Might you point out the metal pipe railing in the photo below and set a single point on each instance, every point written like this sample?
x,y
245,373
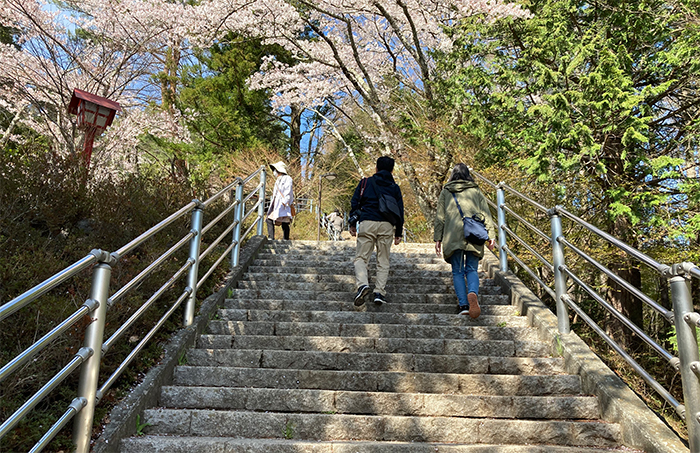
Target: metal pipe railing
x,y
660,268
82,409
149,269
529,248
622,318
626,357
47,285
667,314
682,316
34,349
530,271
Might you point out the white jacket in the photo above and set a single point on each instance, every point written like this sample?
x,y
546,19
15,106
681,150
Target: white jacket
x,y
282,198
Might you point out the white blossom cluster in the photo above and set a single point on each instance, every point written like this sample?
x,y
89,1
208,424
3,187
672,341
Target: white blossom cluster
x,y
364,49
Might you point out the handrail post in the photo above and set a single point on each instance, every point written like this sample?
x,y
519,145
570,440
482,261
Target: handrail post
x,y
237,229
559,276
689,358
195,244
501,202
94,337
261,198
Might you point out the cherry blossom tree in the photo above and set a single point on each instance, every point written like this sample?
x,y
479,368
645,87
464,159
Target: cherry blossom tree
x,y
110,48
376,53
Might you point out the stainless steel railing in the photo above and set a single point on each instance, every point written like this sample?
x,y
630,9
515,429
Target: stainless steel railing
x,y
88,358
683,316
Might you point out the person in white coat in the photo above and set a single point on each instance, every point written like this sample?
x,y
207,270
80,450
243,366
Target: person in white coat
x,y
280,210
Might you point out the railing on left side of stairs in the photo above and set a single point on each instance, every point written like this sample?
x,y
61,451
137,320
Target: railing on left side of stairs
x,y
679,275
231,218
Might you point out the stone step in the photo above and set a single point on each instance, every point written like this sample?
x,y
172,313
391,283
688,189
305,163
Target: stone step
x,y
349,287
501,348
349,269
228,328
415,278
320,305
271,425
175,444
369,361
349,296
379,381
370,317
320,260
381,403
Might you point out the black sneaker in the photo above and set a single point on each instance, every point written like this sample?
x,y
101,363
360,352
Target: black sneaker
x,y
362,292
379,299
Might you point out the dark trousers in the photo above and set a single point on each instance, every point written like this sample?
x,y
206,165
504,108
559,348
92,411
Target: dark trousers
x,y
271,230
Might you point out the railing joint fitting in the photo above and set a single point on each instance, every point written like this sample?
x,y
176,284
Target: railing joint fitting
x,y
92,304
198,204
680,410
675,363
189,290
104,257
553,211
78,404
692,319
85,352
695,368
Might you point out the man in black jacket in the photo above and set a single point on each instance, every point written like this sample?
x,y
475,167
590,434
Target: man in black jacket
x,y
373,229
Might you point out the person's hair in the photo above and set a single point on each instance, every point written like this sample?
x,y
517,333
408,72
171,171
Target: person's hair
x,y
460,171
385,163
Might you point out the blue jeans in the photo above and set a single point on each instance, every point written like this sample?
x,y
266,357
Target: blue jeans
x,y
464,266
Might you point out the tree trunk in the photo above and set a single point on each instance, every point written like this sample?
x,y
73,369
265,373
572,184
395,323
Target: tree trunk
x,y
295,135
623,301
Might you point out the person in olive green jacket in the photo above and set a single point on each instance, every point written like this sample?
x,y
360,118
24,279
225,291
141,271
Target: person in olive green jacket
x,y
448,235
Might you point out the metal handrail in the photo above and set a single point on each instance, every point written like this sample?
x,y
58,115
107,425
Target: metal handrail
x,y
682,316
620,317
667,314
660,268
627,358
81,409
529,271
527,224
47,285
149,270
529,248
155,229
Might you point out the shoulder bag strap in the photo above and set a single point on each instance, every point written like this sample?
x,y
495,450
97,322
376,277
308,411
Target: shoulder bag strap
x,y
458,206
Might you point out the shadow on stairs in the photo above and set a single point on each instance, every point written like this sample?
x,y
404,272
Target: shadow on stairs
x,y
289,364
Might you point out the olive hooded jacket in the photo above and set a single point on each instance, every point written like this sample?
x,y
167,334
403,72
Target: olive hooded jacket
x,y
448,226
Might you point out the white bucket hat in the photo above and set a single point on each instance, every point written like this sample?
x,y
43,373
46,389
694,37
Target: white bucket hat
x,y
280,167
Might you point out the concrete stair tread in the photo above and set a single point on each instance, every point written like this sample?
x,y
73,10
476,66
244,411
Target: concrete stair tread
x,y
349,296
381,403
369,317
416,278
372,361
490,306
314,426
375,330
377,345
391,287
379,381
175,444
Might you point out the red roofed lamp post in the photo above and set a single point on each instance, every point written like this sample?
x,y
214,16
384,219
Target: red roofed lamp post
x,y
94,113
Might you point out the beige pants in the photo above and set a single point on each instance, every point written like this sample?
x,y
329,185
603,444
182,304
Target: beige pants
x,y
369,235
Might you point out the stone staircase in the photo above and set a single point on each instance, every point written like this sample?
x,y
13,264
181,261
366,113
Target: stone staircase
x,y
289,364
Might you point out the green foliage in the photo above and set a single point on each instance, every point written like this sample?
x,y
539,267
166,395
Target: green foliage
x,y
225,116
140,426
591,91
49,219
